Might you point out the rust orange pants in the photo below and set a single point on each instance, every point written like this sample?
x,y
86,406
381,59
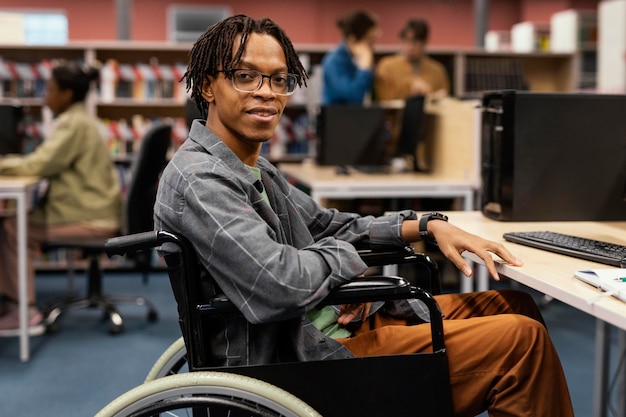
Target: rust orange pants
x,y
500,354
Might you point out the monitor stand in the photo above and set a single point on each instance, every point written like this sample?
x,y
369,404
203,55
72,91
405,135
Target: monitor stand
x,y
364,169
372,169
342,170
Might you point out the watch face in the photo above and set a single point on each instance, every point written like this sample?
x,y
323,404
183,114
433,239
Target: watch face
x,y
437,216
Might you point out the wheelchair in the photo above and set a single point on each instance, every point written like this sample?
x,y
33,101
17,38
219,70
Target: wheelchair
x,y
398,385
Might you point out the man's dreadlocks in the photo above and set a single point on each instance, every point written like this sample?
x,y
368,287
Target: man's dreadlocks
x,y
213,51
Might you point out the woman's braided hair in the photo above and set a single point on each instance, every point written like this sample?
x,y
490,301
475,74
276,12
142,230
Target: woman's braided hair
x,y
213,51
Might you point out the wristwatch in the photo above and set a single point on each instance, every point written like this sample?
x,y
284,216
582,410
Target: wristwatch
x,y
423,226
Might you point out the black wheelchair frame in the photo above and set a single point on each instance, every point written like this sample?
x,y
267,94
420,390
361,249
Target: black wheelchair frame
x,y
398,385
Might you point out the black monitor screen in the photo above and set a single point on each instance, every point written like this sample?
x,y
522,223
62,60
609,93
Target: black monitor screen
x,y
11,129
352,136
412,126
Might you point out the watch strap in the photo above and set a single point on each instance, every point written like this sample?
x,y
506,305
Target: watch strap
x,y
423,225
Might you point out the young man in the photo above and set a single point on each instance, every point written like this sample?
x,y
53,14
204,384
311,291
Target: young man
x,y
411,72
275,253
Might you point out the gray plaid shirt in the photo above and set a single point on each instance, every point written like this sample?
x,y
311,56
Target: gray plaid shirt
x,y
274,263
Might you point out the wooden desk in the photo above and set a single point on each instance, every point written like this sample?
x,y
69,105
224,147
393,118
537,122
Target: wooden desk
x,y
20,189
451,147
325,182
553,275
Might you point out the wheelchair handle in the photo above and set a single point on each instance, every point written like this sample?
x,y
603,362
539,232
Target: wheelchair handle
x,y
122,245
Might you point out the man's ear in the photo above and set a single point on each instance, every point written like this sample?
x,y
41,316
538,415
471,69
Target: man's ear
x,y
207,91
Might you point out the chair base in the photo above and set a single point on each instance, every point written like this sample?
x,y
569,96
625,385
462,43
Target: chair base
x,y
95,297
105,302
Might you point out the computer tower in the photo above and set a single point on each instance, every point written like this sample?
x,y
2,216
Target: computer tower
x,y
553,156
11,129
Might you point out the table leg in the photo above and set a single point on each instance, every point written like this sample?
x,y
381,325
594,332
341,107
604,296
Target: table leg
x,y
480,278
621,373
21,272
468,201
601,369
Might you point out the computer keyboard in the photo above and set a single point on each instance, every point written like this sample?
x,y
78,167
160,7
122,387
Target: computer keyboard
x,y
575,246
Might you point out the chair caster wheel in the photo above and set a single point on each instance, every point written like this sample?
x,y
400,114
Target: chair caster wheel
x,y
115,329
153,316
53,327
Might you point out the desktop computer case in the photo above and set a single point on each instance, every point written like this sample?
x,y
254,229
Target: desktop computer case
x,y
553,156
11,129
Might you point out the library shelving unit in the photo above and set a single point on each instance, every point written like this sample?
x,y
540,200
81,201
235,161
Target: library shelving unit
x,y
141,79
474,70
576,31
611,76
471,71
541,71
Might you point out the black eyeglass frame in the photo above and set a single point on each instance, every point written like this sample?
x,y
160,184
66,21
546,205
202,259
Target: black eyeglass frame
x,y
231,72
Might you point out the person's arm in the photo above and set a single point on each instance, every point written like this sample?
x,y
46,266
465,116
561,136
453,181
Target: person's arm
x,y
453,241
266,279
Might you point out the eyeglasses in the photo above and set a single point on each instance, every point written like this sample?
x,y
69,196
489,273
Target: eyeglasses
x,y
249,81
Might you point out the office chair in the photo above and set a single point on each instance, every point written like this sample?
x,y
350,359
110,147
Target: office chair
x,y
415,384
137,217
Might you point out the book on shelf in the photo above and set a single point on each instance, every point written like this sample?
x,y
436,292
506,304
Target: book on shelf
x,y
488,74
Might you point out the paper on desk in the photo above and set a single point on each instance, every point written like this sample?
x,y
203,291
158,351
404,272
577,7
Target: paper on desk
x,y
611,280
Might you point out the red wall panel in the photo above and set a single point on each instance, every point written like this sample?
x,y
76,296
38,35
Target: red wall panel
x,y
307,21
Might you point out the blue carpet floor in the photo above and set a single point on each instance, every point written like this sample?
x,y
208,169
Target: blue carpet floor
x,y
78,370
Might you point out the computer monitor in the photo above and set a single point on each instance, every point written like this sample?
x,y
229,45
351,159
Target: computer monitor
x,y
411,127
11,129
354,136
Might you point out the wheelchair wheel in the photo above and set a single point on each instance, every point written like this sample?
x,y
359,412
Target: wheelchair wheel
x,y
170,362
207,394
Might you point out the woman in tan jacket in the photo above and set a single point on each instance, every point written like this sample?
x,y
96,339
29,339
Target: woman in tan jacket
x,y
83,194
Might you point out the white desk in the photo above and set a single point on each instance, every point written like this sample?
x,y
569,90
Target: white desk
x,y
553,275
20,189
325,182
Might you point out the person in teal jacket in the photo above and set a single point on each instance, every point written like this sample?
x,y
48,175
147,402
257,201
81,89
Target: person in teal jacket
x,y
348,70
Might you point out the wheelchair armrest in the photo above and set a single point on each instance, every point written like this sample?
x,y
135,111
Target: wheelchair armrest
x,y
426,271
361,290
385,288
389,255
370,288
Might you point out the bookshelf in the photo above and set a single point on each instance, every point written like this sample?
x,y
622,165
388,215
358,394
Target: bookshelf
x,y
576,31
150,96
611,75
474,71
471,71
